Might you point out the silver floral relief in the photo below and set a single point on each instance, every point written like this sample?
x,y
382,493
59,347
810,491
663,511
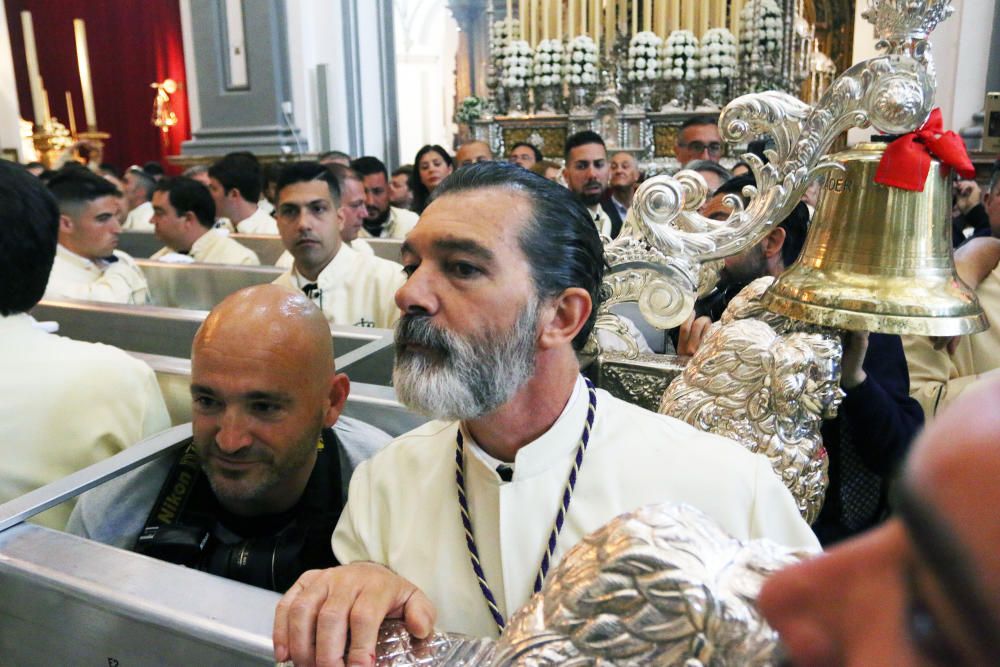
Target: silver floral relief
x,y
396,647
768,384
661,585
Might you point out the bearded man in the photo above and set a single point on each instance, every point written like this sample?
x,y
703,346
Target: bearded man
x,y
462,518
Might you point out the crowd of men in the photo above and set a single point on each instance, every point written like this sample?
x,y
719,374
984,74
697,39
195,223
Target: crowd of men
x,y
455,524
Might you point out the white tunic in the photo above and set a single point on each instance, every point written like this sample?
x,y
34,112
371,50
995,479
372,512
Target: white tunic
x,y
259,222
76,277
398,225
403,510
140,219
356,289
213,247
937,378
66,405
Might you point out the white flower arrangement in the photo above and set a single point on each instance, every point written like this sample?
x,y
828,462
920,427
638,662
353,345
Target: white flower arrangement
x,y
718,55
643,57
679,56
500,38
761,33
581,62
548,64
515,65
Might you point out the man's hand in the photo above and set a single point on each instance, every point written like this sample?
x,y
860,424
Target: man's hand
x,y
312,619
855,349
968,195
692,333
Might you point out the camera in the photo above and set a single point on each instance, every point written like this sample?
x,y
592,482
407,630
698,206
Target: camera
x,y
271,562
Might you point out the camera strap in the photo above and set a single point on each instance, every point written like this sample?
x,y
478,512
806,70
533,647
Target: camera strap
x,y
187,507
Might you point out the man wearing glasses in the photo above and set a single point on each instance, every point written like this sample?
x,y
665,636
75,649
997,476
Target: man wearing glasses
x,y
699,139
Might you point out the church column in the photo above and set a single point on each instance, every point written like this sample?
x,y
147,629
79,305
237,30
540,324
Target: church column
x,y
343,75
236,56
961,70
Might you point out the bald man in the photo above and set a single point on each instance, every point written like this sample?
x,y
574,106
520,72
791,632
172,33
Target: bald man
x,y
472,152
265,474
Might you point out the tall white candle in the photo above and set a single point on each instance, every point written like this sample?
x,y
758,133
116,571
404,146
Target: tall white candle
x,y
647,15
83,60
34,77
595,18
510,19
559,32
45,107
546,19
522,13
635,17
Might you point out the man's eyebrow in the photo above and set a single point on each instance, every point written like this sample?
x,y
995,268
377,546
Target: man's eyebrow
x,y
450,244
947,558
201,389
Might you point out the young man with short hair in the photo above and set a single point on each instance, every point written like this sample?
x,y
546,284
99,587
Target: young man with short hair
x,y
87,264
184,217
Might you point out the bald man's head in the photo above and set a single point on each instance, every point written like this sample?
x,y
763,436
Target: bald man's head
x,y
471,152
263,387
279,319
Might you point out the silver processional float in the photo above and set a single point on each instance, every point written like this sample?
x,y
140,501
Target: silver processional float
x,y
661,585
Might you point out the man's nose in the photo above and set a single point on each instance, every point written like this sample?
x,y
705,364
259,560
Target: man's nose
x,y
417,295
233,433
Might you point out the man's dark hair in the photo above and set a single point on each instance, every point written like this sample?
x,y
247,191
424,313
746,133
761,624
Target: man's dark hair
x,y
154,169
108,169
699,120
35,165
146,180
29,231
406,170
582,139
303,172
368,165
560,240
74,186
334,155
534,149
735,185
238,171
342,174
186,194
708,165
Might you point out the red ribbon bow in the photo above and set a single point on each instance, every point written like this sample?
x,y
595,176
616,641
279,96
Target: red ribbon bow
x,y
907,160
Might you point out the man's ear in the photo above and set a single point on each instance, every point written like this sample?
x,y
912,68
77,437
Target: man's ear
x,y
66,224
340,387
191,219
773,241
565,316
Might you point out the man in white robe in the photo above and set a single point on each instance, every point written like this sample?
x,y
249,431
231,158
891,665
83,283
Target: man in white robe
x,y
503,274
350,287
235,184
184,217
88,266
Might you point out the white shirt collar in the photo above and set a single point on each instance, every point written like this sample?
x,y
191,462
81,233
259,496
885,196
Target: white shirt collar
x,y
554,445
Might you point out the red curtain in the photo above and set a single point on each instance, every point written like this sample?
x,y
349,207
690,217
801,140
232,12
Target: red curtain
x,y
132,43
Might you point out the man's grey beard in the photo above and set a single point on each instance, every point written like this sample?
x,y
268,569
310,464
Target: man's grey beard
x,y
462,378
